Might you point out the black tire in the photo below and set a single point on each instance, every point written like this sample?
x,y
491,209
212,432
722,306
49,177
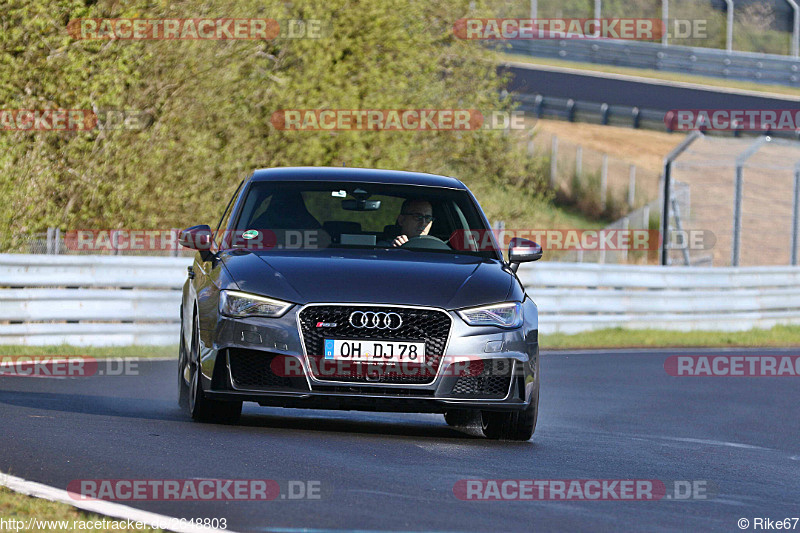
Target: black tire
x,y
183,387
203,409
517,425
462,417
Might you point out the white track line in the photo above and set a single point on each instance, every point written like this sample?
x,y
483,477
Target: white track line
x,y
113,510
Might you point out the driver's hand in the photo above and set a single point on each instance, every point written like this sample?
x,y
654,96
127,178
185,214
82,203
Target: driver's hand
x,y
399,241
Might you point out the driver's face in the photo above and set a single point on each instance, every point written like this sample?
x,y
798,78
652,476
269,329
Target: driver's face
x,y
413,221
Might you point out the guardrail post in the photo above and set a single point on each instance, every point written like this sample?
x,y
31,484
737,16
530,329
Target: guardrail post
x,y
636,115
632,186
553,161
578,161
571,110
604,114
538,105
604,181
530,144
795,209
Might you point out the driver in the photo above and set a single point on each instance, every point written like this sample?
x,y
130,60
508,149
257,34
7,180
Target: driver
x,y
415,219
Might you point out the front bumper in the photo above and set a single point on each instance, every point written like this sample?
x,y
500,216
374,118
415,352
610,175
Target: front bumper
x,y
482,368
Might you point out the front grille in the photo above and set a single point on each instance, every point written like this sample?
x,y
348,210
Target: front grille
x,y
254,369
419,325
487,379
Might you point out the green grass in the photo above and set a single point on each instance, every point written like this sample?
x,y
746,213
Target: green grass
x,y
90,351
652,338
15,506
654,74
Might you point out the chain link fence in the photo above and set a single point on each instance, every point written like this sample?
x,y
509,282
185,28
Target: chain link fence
x,y
762,230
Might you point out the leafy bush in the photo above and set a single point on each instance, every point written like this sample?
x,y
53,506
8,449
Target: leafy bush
x,y
211,103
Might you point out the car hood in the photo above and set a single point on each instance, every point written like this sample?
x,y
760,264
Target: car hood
x,y
380,276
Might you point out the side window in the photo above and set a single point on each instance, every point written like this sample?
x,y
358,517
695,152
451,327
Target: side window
x,y
223,222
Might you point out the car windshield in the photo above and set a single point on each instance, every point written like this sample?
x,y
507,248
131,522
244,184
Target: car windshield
x,y
308,215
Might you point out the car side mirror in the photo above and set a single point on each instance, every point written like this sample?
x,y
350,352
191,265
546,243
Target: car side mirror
x,y
523,251
197,238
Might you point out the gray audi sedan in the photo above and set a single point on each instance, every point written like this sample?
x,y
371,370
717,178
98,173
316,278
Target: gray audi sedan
x,y
345,288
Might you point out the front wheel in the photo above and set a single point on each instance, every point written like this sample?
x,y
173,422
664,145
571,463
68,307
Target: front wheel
x,y
517,425
203,409
183,387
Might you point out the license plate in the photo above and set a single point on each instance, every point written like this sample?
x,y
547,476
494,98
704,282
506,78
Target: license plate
x,y
375,351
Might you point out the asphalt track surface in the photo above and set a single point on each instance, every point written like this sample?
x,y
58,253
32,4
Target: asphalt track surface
x,y
631,91
604,415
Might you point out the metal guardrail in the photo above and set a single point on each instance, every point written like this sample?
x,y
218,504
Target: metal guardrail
x,y
574,297
134,300
90,300
747,66
616,115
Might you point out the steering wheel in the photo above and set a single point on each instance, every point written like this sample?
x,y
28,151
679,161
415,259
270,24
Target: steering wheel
x,y
425,242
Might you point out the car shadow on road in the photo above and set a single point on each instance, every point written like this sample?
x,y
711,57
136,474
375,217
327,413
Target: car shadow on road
x,y
333,422
94,405
336,422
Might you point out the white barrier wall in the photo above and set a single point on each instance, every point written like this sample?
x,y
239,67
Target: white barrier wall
x,y
574,297
90,300
107,300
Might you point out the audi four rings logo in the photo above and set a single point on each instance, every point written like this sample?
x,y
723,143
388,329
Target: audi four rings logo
x,y
369,319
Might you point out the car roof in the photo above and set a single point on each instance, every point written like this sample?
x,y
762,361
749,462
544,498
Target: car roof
x,y
366,175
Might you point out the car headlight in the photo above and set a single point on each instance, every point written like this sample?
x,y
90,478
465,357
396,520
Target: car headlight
x,y
507,315
241,304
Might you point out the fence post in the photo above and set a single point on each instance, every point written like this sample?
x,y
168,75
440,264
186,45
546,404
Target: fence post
x,y
57,247
737,196
626,224
553,162
50,234
666,189
604,181
632,186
